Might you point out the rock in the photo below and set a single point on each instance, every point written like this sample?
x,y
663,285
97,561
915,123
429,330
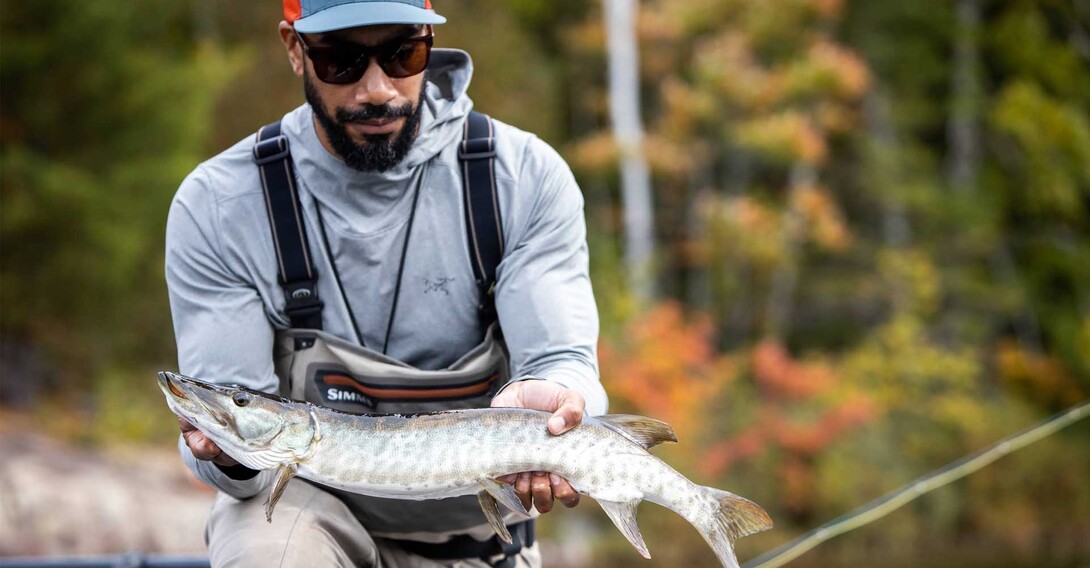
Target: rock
x,y
61,499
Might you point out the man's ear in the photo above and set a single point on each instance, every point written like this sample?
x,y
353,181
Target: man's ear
x,y
294,49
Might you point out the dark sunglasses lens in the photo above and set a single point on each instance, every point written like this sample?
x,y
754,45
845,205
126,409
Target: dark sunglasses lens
x,y
341,65
411,58
337,65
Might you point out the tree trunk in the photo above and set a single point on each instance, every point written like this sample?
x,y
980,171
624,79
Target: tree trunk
x,y
624,103
781,296
963,127
885,170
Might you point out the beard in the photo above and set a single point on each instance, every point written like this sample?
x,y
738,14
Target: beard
x,y
377,153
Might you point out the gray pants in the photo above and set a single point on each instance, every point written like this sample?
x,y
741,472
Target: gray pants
x,y
311,528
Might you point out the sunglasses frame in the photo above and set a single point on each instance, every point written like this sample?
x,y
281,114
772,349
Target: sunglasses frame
x,y
382,54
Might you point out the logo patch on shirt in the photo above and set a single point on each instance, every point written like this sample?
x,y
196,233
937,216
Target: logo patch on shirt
x,y
437,285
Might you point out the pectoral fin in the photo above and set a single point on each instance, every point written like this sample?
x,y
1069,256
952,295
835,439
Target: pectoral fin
x,y
624,516
492,513
283,476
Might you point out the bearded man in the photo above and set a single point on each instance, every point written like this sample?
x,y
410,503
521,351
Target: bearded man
x,y
382,248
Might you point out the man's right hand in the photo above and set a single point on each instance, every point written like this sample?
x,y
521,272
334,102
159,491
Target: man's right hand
x,y
202,447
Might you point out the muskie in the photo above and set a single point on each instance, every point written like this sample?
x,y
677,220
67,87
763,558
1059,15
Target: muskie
x,y
461,452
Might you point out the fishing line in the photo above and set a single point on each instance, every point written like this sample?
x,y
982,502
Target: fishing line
x,y
896,499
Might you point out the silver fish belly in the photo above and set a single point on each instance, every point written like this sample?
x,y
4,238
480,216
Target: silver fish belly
x,y
461,452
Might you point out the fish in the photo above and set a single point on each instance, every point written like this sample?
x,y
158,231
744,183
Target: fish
x,y
451,453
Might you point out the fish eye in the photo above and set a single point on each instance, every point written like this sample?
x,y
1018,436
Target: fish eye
x,y
241,399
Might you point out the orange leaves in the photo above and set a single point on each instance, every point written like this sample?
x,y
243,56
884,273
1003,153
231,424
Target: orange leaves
x,y
668,156
666,367
752,216
777,374
741,225
803,411
809,438
685,109
850,71
826,69
789,385
802,437
1036,377
727,63
788,136
826,226
746,445
828,9
778,93
598,152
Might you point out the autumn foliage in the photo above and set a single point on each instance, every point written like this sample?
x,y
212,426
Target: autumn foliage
x,y
666,366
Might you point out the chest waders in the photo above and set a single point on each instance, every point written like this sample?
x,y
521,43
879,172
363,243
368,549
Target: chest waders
x,y
326,370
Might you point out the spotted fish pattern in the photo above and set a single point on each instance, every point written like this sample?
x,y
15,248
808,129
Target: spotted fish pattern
x,y
462,452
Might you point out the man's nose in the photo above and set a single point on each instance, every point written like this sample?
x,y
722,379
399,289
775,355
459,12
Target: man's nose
x,y
375,87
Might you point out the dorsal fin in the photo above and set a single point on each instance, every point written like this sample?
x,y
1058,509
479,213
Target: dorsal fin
x,y
645,431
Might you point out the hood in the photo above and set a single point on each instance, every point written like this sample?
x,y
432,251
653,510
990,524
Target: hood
x,y
446,104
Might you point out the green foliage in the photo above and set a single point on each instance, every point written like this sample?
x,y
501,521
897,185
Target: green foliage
x,y
1053,149
105,110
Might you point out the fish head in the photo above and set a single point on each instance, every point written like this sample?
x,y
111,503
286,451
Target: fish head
x,y
258,429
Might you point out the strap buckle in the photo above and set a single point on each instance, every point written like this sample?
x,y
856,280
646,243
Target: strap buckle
x,y
477,149
301,299
271,150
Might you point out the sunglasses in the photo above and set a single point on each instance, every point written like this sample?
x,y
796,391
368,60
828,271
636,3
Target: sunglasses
x,y
346,63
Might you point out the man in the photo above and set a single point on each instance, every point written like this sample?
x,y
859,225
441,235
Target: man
x,y
369,286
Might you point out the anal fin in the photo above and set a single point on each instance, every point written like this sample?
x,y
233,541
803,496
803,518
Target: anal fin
x,y
624,516
283,475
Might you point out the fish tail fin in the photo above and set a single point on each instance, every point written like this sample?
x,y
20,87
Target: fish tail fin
x,y
735,517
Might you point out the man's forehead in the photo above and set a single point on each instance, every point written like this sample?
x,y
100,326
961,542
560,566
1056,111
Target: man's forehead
x,y
370,35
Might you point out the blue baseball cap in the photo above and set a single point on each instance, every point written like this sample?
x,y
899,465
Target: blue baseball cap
x,y
318,16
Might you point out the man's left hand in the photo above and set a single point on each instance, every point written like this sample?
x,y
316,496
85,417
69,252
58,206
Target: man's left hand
x,y
567,407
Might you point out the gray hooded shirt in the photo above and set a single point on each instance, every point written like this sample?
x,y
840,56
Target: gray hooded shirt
x,y
221,266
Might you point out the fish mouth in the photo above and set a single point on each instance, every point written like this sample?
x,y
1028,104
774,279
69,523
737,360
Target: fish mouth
x,y
167,385
181,393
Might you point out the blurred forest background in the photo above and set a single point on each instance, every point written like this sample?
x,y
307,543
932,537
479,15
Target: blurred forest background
x,y
871,241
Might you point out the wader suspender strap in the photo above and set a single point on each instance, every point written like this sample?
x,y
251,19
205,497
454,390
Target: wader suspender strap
x,y
477,154
297,276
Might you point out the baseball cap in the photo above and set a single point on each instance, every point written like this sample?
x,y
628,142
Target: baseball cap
x,y
318,16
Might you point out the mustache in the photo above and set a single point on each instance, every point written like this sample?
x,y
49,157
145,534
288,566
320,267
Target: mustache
x,y
368,112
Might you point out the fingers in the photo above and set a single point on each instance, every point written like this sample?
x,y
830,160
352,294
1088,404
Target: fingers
x,y
569,412
202,447
563,491
522,488
541,489
507,398
199,444
543,492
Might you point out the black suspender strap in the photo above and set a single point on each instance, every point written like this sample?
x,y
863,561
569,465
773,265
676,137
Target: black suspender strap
x,y
477,155
297,276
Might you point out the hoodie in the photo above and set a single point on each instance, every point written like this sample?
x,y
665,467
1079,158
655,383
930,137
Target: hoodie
x,y
221,266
